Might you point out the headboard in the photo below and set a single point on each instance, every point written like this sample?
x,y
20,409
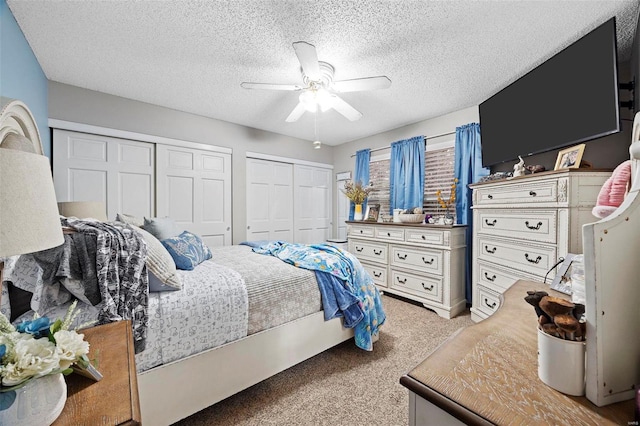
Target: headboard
x,y
612,276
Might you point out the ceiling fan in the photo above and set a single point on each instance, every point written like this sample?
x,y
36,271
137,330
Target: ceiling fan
x,y
318,89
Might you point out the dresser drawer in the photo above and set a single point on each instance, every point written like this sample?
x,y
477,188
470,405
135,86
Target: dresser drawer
x,y
510,193
369,250
534,226
425,236
536,259
496,278
426,287
485,300
390,234
378,273
416,258
361,231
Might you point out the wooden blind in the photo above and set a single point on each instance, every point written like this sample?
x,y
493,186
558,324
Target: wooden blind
x,y
439,169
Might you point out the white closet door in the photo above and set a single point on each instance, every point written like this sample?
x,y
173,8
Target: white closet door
x,y
118,172
194,188
269,200
312,187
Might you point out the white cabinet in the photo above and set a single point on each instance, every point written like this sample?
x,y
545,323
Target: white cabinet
x,y
524,225
424,263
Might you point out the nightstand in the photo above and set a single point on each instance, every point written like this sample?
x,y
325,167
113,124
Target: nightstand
x,y
114,399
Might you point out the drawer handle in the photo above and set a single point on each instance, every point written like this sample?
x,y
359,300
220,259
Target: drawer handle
x,y
430,288
361,231
401,281
535,228
490,251
388,234
423,237
492,223
402,257
493,278
490,197
536,261
377,274
532,193
377,252
491,306
428,262
359,249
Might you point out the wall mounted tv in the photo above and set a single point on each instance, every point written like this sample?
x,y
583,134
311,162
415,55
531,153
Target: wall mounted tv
x,y
570,98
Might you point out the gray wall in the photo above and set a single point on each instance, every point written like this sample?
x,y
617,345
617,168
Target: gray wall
x,y
79,105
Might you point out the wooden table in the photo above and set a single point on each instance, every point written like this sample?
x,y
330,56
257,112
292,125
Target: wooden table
x,y
114,399
488,374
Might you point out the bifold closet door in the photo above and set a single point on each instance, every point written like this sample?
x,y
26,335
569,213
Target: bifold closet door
x,y
119,172
313,204
193,187
269,200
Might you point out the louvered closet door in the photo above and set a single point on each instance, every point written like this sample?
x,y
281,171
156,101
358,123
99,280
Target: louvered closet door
x,y
119,172
269,200
312,213
194,188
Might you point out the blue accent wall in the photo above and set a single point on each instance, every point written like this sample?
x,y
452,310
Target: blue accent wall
x,y
21,76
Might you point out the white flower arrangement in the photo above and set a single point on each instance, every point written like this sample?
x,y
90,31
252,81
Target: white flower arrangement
x,y
39,348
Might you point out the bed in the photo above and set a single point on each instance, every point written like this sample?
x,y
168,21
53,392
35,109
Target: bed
x,y
201,346
237,319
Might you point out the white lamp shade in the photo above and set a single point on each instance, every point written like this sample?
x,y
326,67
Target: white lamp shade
x,y
84,209
29,219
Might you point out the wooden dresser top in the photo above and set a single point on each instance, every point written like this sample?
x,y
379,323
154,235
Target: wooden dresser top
x,y
488,373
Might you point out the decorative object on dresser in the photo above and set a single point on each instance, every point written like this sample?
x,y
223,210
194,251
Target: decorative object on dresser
x,y
421,262
518,168
522,227
28,213
373,212
358,194
570,158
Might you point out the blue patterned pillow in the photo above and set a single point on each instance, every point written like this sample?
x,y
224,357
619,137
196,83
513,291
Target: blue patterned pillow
x,y
187,250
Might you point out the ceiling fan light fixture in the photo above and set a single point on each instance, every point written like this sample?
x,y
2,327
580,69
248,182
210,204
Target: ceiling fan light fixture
x,y
308,99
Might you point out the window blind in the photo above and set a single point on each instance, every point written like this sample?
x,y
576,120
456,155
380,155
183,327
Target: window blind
x,y
439,169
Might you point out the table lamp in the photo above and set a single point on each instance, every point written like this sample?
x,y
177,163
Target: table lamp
x,y
29,220
84,209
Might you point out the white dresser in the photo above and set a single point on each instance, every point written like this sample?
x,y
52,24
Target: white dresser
x,y
420,262
524,225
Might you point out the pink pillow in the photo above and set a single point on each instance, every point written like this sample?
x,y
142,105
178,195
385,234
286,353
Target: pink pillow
x,y
613,191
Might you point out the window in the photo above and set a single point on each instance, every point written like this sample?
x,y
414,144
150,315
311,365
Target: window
x,y
439,169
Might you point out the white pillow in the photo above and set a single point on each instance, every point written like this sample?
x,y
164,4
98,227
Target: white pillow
x,y
159,261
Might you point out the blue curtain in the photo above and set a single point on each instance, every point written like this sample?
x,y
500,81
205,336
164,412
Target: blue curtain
x,y
468,170
406,186
361,174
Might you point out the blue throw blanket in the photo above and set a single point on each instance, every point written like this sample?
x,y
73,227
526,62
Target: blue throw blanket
x,y
347,289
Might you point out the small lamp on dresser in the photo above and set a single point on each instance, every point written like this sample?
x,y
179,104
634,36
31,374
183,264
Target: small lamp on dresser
x,y
29,219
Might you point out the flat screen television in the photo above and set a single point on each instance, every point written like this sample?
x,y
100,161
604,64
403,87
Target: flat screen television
x,y
569,99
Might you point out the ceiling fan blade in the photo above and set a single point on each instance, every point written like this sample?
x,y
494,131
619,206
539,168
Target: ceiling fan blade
x,y
268,86
360,84
296,113
345,109
308,58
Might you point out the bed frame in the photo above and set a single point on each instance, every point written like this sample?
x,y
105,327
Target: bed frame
x,y
173,391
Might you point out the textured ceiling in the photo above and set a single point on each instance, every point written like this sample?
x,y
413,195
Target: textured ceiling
x,y
441,56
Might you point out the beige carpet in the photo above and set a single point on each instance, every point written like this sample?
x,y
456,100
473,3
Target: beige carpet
x,y
344,385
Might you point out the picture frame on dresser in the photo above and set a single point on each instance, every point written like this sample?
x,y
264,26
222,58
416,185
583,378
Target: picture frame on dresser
x,y
373,212
570,158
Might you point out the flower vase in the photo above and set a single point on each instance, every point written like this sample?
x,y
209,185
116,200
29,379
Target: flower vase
x,y
357,213
39,402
